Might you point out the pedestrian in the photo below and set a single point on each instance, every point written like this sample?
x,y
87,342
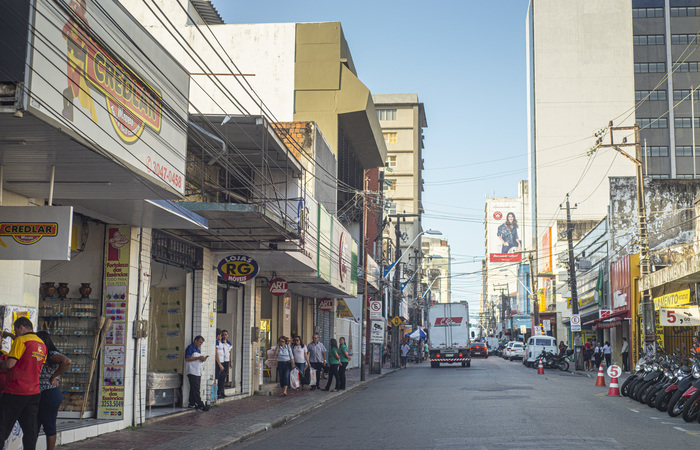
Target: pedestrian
x,y
224,356
607,354
334,363
301,358
405,348
696,344
317,359
426,352
562,348
598,354
587,355
51,397
20,401
285,362
344,360
625,355
193,370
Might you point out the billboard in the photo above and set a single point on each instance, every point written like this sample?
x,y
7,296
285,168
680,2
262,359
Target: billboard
x,y
503,230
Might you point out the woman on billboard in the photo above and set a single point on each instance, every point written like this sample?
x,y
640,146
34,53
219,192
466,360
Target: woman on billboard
x,y
508,234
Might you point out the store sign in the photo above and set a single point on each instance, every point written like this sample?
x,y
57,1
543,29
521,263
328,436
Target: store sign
x,y
238,268
116,300
675,317
325,304
35,232
105,95
342,255
672,299
604,313
278,287
342,310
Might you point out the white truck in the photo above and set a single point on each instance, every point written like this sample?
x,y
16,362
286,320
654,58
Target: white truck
x,y
448,337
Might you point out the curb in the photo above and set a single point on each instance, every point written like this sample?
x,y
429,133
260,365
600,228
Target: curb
x,y
279,422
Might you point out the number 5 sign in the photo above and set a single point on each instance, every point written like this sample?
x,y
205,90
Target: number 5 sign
x,y
674,317
614,371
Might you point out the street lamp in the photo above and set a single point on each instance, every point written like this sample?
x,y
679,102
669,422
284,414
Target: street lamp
x,y
396,293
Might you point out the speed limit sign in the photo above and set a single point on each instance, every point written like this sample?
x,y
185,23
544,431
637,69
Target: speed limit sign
x,y
614,371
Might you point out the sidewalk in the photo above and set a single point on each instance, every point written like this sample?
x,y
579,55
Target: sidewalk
x,y
225,424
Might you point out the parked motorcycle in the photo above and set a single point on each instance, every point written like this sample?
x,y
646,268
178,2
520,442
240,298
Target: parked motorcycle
x,y
639,371
682,380
553,361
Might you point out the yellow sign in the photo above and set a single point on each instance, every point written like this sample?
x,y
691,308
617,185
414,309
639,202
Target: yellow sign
x,y
342,310
672,299
581,301
396,321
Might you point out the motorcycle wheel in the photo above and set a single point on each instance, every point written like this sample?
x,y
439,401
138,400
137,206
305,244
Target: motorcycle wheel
x,y
624,390
646,391
692,407
633,386
662,400
676,405
637,389
651,398
563,365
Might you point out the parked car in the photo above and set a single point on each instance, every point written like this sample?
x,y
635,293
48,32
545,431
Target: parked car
x,y
506,350
479,349
517,351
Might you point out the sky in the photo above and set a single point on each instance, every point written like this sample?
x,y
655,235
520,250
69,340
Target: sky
x,y
466,61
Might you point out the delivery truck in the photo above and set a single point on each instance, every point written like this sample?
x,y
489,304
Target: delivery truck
x,y
448,337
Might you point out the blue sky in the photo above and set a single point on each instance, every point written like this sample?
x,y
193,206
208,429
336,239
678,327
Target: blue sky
x,y
466,61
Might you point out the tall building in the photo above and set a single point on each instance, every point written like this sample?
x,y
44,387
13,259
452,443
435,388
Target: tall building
x,y
402,119
580,76
437,270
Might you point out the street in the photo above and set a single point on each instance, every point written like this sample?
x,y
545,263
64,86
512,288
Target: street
x,y
494,404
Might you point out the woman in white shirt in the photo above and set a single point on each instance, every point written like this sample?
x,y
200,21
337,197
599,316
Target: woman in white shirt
x,y
301,357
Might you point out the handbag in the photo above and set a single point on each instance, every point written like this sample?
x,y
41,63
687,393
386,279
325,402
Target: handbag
x,y
307,375
312,376
294,379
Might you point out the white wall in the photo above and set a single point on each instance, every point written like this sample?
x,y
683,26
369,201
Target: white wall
x,y
263,53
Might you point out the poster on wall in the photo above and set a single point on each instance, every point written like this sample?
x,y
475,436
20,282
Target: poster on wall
x,y
116,298
504,230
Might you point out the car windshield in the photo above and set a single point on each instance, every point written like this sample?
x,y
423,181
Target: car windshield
x,y
518,345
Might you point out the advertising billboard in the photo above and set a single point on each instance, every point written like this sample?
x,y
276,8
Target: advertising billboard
x,y
504,238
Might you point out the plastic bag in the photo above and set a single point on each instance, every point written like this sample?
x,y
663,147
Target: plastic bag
x,y
312,376
294,379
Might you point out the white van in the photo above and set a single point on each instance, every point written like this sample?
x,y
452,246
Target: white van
x,y
535,345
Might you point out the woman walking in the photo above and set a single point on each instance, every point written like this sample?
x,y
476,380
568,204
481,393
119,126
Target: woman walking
x,y
285,362
598,354
301,358
51,397
607,354
334,362
344,360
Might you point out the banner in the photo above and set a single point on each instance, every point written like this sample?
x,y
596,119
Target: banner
x,y
504,230
116,299
672,299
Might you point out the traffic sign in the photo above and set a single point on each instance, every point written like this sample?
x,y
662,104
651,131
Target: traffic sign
x,y
614,371
396,321
375,309
575,321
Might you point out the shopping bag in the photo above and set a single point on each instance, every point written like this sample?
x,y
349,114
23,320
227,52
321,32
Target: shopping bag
x,y
312,376
307,375
294,379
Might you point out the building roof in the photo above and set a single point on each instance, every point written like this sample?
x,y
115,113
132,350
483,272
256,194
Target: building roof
x,y
207,12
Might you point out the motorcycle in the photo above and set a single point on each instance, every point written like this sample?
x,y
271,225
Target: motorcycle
x,y
682,380
639,371
678,401
552,361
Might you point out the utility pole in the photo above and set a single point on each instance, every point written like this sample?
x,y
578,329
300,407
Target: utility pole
x,y
578,343
533,289
365,323
648,314
396,296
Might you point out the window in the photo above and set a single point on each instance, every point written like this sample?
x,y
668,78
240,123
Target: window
x,y
660,176
684,39
684,176
655,39
685,150
655,151
390,138
386,114
686,67
650,95
647,12
689,11
684,94
650,67
686,122
660,122
391,184
391,161
392,209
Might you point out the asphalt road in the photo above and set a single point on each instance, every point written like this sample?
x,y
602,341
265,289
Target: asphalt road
x,y
494,404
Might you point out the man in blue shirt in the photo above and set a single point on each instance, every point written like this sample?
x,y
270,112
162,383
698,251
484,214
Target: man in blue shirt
x,y
193,370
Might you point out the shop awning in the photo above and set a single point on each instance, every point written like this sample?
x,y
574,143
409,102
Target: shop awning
x,y
616,315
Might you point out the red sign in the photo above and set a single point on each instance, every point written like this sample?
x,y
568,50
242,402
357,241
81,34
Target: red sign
x,y
505,257
278,287
605,313
448,321
28,233
325,304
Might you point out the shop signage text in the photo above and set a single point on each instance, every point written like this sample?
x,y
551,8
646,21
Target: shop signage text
x,y
675,317
672,299
35,233
278,287
238,268
448,321
325,304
